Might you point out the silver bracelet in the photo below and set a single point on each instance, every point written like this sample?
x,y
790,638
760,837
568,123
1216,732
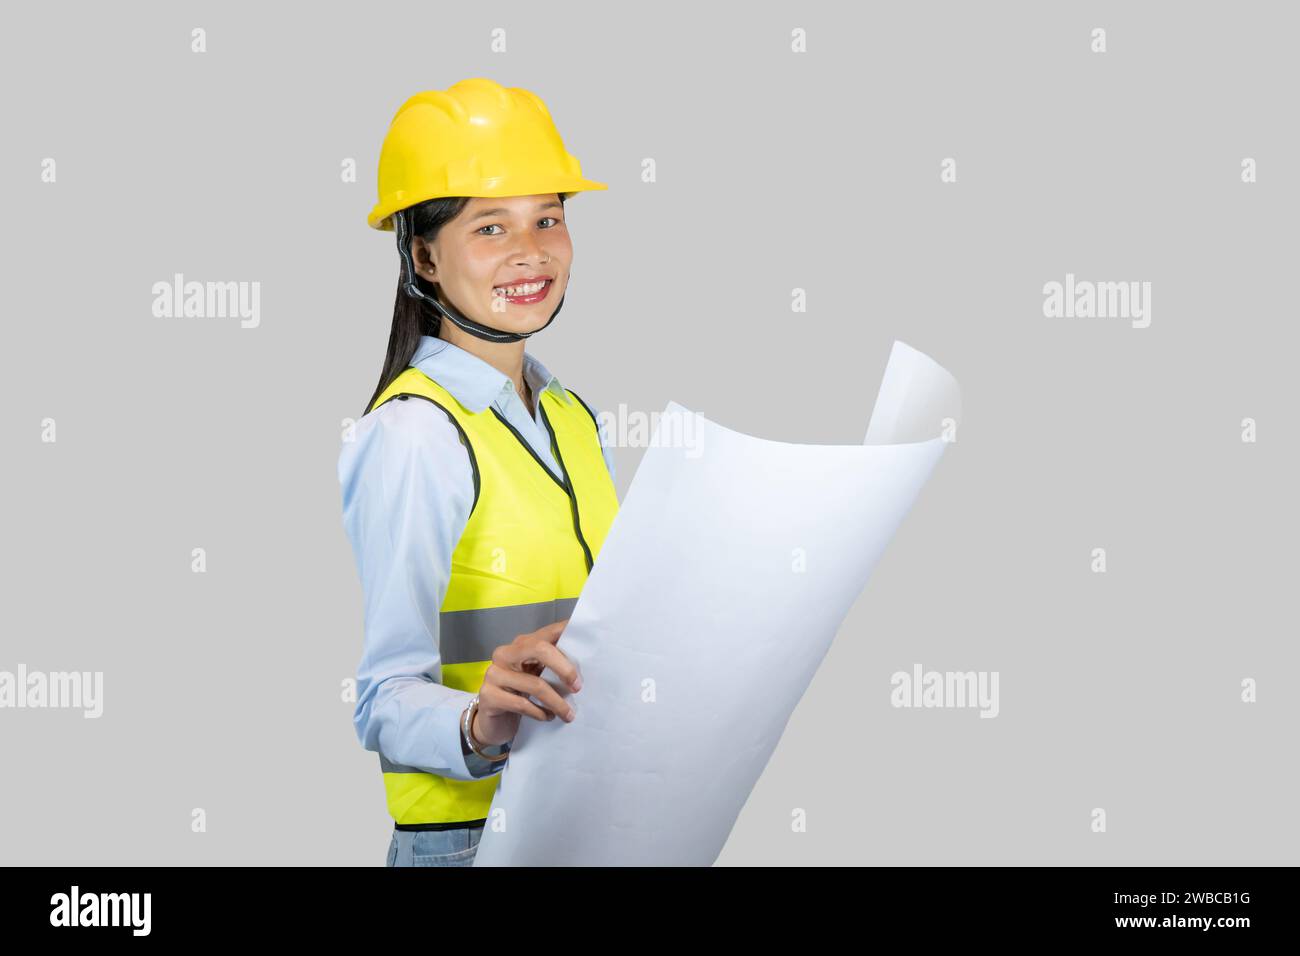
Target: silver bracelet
x,y
467,722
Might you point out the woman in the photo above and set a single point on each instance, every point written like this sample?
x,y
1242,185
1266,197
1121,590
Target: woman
x,y
476,510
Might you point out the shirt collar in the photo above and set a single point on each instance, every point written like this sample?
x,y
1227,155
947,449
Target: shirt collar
x,y
472,381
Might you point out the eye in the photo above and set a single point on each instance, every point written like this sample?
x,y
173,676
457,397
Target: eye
x,y
493,226
550,218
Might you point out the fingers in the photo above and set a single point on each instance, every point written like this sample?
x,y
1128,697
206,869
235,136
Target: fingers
x,y
538,648
551,632
495,699
523,685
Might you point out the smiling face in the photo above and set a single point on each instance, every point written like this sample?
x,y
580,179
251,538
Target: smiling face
x,y
501,262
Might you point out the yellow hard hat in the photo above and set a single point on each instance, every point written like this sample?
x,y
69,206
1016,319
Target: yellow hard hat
x,y
477,138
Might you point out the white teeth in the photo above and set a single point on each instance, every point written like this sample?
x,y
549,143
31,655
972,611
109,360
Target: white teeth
x,y
513,290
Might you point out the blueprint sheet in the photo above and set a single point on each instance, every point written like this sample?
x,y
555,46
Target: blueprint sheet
x,y
725,576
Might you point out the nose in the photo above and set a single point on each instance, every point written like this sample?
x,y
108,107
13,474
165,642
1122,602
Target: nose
x,y
530,249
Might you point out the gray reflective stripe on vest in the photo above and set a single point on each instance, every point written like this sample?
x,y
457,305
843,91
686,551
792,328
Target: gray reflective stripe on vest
x,y
387,766
468,636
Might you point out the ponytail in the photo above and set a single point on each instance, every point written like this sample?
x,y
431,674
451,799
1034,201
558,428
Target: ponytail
x,y
414,317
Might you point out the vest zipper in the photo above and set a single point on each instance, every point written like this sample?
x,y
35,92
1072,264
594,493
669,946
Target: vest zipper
x,y
568,486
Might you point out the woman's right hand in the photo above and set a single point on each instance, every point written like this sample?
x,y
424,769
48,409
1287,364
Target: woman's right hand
x,y
513,675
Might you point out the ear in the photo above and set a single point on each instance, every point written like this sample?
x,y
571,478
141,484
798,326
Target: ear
x,y
421,256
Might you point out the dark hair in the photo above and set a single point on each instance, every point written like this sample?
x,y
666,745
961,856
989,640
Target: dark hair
x,y
414,317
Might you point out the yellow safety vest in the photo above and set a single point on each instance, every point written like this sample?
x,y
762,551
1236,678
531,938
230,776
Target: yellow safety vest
x,y
520,564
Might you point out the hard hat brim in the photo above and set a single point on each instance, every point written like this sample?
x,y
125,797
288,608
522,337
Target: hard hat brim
x,y
381,216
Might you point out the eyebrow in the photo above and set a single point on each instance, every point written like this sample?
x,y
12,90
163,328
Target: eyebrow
x,y
505,212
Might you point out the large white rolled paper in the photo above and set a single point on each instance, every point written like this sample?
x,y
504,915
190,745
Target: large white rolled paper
x,y
725,576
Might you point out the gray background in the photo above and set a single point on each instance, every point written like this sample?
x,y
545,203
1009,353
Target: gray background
x,y
775,171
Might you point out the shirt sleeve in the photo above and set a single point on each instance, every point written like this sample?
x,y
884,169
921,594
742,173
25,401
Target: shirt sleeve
x,y
408,487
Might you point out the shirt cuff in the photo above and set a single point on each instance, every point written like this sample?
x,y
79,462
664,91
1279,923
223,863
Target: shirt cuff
x,y
476,766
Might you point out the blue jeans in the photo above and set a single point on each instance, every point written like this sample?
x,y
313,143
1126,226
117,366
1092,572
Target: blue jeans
x,y
456,847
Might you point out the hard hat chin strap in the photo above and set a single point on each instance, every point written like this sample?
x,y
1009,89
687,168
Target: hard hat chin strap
x,y
402,227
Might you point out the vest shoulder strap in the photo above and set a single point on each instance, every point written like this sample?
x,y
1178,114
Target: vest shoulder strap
x,y
413,383
587,407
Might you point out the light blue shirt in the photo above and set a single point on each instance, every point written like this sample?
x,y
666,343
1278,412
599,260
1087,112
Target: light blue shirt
x,y
408,488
